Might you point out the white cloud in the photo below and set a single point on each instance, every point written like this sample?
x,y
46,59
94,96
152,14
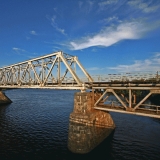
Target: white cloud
x,y
33,32
54,24
157,55
112,19
19,50
111,35
146,7
107,2
152,64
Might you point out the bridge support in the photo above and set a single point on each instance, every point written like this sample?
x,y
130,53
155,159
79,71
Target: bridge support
x,y
88,127
4,99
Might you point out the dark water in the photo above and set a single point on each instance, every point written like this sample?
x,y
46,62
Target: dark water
x,y
35,126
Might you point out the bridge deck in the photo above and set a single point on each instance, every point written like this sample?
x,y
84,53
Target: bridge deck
x,y
140,111
58,71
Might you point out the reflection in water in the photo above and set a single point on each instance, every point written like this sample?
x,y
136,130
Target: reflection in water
x,y
83,138
87,127
35,126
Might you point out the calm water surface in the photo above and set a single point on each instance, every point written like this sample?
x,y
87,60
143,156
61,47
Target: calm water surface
x,y
35,126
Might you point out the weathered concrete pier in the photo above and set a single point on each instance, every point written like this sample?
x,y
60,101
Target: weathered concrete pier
x,y
90,121
88,127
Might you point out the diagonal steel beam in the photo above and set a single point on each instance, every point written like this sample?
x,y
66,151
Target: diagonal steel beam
x,y
100,98
145,98
70,69
66,71
118,98
24,72
30,63
49,72
83,70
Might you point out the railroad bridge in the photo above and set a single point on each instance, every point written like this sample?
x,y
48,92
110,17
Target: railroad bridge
x,y
63,71
92,104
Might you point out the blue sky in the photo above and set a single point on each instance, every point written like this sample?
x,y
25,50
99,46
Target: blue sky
x,y
108,36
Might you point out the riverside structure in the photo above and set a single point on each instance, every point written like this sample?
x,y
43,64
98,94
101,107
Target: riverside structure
x,y
59,71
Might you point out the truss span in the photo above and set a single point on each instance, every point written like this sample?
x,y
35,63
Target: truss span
x,y
56,70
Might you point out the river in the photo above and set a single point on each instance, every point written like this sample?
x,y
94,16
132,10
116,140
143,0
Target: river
x,y
35,126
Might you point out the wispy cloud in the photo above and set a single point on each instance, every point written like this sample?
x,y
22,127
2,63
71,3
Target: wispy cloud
x,y
55,25
19,50
107,2
102,5
80,3
111,35
152,64
110,20
23,52
146,7
33,32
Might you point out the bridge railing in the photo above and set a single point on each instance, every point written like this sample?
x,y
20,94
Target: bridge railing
x,y
126,77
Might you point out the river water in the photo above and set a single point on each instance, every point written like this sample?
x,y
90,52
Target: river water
x,y
35,126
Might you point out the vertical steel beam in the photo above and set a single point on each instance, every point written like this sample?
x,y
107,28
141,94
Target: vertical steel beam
x,y
145,98
29,74
19,72
24,72
50,70
74,66
59,70
134,99
130,98
35,73
42,70
70,69
12,76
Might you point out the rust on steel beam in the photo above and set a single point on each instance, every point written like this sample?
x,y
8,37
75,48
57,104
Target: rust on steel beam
x,y
121,84
154,115
110,90
144,99
126,88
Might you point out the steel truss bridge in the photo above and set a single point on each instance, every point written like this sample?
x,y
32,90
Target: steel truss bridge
x,y
60,71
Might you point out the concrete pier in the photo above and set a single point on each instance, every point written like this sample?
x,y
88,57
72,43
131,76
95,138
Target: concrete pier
x,y
4,99
88,127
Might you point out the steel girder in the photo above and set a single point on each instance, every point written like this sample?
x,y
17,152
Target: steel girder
x,y
44,71
128,104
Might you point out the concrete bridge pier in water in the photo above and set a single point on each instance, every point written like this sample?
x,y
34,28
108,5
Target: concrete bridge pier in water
x,y
90,121
88,127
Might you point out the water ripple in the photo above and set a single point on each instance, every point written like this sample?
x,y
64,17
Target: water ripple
x,y
35,126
